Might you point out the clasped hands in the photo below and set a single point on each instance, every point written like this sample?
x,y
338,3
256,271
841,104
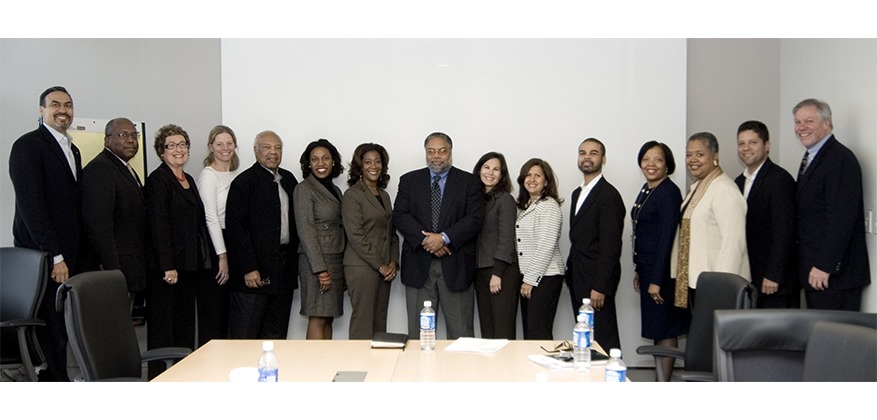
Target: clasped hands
x,y
434,243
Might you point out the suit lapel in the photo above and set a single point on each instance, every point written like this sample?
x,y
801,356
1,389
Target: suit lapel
x,y
448,198
124,172
816,161
759,180
372,199
589,200
61,156
318,188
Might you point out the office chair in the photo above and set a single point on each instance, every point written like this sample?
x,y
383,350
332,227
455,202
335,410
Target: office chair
x,y
714,291
98,319
770,344
24,274
841,353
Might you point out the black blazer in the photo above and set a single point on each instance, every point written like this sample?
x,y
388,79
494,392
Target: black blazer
x,y
114,219
594,260
770,230
655,229
178,237
497,238
47,196
831,219
462,214
252,227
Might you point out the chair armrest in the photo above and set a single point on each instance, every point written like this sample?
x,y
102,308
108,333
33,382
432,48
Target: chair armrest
x,y
660,353
694,376
169,355
16,323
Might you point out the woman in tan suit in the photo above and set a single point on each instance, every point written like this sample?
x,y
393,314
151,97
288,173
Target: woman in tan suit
x,y
321,235
372,255
712,231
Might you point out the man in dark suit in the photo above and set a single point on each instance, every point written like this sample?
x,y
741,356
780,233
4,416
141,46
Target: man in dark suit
x,y
833,263
262,244
596,225
45,168
770,231
439,210
114,207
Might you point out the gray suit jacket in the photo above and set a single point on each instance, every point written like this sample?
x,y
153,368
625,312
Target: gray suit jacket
x,y
497,238
318,222
371,237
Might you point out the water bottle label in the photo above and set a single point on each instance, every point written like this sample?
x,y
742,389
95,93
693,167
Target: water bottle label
x,y
427,322
268,375
582,338
616,375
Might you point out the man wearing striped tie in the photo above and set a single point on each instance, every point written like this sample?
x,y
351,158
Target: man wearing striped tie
x,y
833,260
439,210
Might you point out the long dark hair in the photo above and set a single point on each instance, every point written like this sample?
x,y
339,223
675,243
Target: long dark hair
x,y
355,172
504,184
550,190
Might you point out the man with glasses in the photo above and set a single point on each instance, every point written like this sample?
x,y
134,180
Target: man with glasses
x,y
114,207
45,169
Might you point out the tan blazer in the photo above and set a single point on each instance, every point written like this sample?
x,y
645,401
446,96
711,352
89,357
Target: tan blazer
x,y
372,239
718,233
318,222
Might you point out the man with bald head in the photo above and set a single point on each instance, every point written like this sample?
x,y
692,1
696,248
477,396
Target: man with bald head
x,y
262,244
114,207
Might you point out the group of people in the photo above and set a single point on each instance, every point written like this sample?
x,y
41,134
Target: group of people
x,y
223,254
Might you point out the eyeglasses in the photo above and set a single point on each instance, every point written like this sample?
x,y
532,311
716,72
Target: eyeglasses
x,y
126,135
172,146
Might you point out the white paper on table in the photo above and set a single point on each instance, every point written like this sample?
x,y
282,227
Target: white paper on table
x,y
477,345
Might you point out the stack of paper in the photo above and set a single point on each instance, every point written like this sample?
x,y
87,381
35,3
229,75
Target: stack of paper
x,y
477,345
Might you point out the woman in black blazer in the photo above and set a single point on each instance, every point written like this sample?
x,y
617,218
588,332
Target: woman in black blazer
x,y
498,279
372,255
180,248
655,218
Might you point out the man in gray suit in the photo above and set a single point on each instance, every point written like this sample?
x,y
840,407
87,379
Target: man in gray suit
x,y
439,210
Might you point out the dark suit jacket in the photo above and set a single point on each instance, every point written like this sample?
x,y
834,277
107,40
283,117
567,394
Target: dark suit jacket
x,y
831,219
114,219
371,238
47,196
595,233
461,216
252,226
770,230
178,238
497,238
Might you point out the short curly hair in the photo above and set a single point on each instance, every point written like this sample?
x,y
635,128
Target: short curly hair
x,y
355,172
305,159
164,132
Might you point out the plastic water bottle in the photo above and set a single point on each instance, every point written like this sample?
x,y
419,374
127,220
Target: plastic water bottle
x,y
427,327
616,370
581,338
588,311
267,363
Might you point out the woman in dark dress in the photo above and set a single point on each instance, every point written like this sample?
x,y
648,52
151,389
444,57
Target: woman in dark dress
x,y
655,217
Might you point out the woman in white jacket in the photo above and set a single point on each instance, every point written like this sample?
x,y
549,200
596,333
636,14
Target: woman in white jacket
x,y
537,233
712,230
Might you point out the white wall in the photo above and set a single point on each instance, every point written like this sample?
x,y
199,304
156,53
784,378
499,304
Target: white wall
x,y
842,72
524,98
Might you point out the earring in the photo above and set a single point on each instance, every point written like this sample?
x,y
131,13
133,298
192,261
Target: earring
x,y
715,162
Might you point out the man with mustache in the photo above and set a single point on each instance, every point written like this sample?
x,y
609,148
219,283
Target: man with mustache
x,y
45,169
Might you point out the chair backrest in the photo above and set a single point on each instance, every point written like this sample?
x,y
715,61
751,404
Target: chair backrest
x,y
24,274
714,291
841,353
769,344
98,319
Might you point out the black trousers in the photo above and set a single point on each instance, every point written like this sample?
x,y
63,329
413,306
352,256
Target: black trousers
x,y
498,313
52,338
537,313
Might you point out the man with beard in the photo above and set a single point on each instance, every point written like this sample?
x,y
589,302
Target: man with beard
x,y
438,211
596,225
45,168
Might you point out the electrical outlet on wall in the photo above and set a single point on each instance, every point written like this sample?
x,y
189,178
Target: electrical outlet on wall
x,y
869,221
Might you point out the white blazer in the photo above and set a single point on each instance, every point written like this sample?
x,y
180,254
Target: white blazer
x,y
718,233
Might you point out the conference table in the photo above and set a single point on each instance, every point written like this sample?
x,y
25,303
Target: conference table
x,y
322,360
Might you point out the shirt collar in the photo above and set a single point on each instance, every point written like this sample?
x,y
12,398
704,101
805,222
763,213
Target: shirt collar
x,y
814,149
592,183
66,139
755,172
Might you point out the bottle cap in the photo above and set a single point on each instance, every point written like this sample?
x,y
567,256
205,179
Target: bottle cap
x,y
615,353
267,346
586,301
427,303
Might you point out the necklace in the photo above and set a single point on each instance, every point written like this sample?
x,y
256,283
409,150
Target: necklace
x,y
641,200
183,179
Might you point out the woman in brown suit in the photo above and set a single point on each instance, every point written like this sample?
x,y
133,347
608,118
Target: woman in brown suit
x,y
321,235
372,255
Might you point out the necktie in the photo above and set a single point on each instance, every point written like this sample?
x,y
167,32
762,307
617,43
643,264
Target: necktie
x,y
803,166
134,175
436,202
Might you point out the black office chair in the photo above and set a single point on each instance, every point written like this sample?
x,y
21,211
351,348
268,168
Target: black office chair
x,y
98,318
770,344
714,291
841,353
24,274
